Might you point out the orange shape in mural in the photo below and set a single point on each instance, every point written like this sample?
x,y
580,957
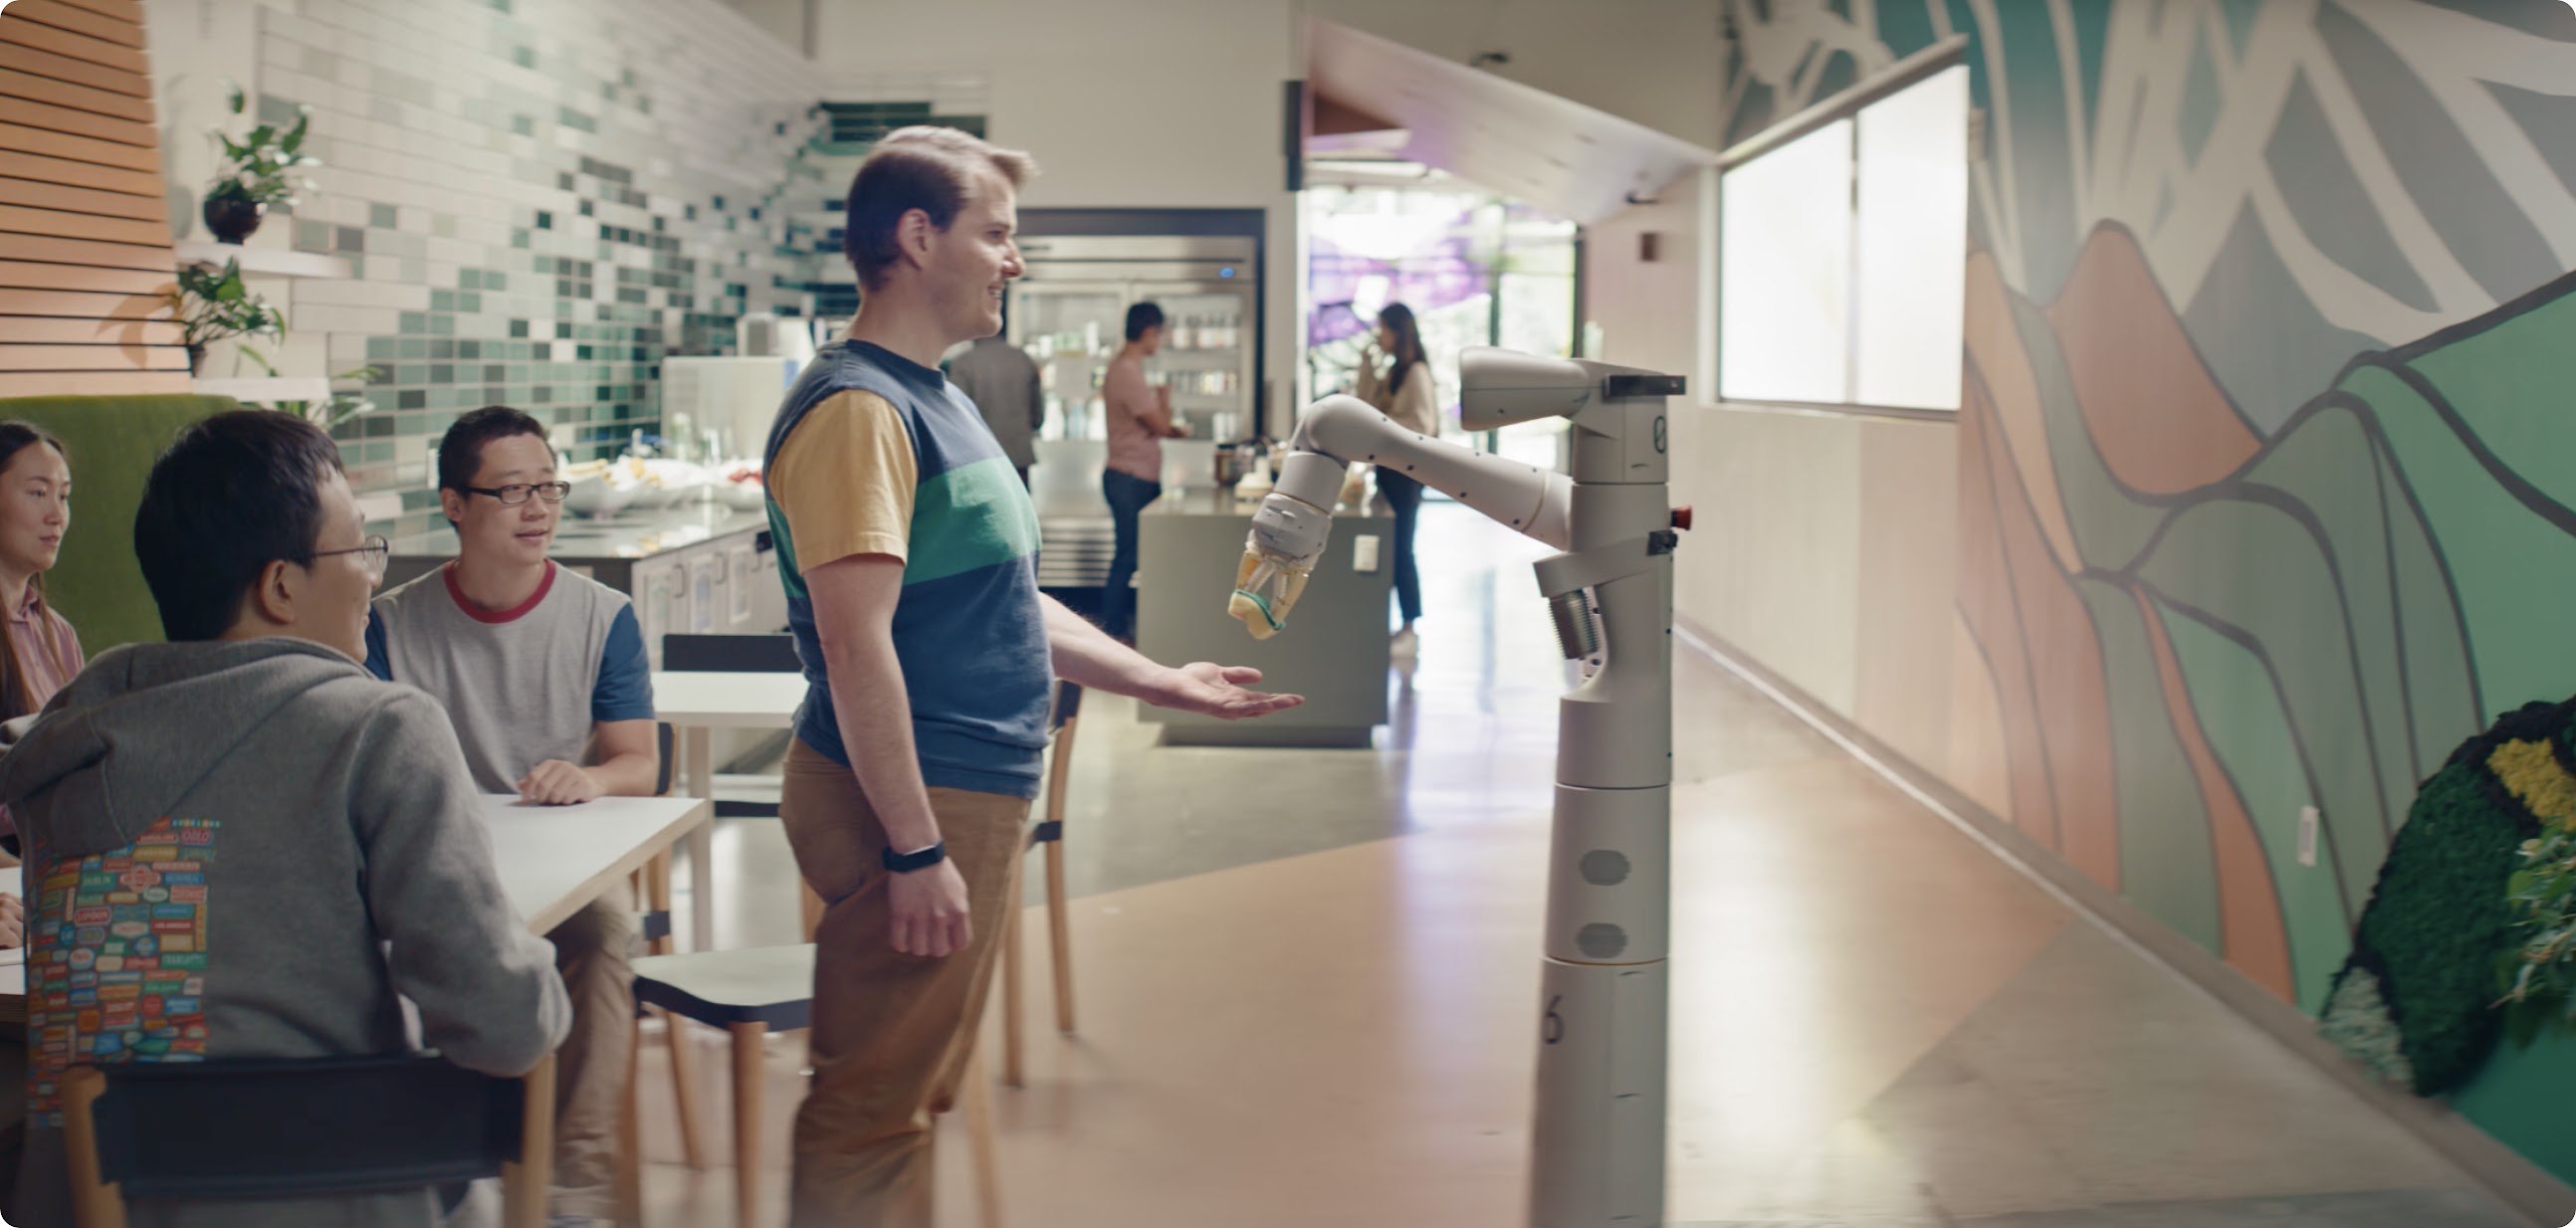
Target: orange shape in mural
x,y
2157,418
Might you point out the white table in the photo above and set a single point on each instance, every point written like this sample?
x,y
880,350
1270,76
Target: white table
x,y
696,702
555,859
552,859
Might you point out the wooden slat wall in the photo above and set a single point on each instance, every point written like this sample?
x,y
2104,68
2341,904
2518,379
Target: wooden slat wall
x,y
84,235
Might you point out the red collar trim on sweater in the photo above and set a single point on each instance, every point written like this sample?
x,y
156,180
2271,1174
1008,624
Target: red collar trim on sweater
x,y
514,613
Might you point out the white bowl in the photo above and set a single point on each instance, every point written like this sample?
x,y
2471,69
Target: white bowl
x,y
596,497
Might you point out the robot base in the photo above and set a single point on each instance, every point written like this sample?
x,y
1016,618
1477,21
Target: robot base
x,y
1597,1142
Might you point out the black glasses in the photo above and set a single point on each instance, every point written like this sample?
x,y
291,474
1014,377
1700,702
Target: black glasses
x,y
376,549
517,494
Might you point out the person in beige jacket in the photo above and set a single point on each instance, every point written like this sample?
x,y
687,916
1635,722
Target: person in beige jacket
x,y
1404,393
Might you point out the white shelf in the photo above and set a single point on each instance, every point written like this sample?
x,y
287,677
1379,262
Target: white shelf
x,y
264,261
268,391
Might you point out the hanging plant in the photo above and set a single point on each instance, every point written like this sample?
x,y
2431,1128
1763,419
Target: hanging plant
x,y
213,305
256,174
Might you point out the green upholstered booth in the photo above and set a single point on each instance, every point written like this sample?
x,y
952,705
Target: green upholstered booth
x,y
112,441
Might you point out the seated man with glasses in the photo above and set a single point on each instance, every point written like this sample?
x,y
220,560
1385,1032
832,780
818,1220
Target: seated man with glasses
x,y
543,673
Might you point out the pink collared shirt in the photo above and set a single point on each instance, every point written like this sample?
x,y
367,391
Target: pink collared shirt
x,y
48,653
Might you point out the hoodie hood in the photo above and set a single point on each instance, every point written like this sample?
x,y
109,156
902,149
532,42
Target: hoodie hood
x,y
143,725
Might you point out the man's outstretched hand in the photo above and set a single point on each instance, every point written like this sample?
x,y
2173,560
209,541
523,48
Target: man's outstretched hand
x,y
1217,690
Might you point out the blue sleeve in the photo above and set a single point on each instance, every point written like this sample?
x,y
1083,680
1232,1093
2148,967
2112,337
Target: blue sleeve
x,y
378,662
625,690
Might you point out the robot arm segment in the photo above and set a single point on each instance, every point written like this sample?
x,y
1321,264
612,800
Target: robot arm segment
x,y
1295,521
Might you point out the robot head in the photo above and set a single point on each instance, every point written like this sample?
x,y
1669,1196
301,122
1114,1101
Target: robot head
x,y
1498,387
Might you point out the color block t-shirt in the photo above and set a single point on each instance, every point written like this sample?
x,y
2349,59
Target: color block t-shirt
x,y
875,454
522,686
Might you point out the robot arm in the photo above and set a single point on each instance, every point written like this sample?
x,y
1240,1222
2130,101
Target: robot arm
x,y
1296,519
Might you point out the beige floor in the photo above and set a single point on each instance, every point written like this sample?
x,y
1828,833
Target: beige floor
x,y
1308,979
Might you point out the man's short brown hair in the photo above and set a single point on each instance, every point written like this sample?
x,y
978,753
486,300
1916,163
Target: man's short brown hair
x,y
925,168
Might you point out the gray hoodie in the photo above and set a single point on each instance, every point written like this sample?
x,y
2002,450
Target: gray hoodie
x,y
247,850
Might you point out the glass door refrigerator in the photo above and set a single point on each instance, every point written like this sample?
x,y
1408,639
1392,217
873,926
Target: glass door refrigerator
x,y
1070,311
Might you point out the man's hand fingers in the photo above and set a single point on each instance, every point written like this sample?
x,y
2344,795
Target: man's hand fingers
x,y
1240,675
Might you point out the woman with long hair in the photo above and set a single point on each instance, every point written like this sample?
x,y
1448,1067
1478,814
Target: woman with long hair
x,y
1403,393
38,650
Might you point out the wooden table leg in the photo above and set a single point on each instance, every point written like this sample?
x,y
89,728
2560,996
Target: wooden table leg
x,y
747,1050
657,897
526,1184
702,842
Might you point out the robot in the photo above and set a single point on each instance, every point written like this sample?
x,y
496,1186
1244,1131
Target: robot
x,y
1597,1138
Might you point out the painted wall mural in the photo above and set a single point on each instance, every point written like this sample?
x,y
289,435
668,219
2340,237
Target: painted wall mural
x,y
2266,500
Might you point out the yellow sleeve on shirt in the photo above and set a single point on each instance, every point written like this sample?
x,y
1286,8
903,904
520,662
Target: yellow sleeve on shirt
x,y
845,479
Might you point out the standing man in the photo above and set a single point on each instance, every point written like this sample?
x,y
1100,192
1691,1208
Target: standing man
x,y
1002,380
908,554
1140,419
543,673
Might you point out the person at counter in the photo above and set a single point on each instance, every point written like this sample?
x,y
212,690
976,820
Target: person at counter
x,y
908,555
1404,394
1002,381
1140,419
304,840
534,664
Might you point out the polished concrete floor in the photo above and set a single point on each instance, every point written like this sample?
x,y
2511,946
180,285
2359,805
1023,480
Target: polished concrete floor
x,y
1307,987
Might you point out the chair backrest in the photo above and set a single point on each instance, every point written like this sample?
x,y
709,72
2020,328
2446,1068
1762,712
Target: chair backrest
x,y
113,441
1067,707
754,654
302,1128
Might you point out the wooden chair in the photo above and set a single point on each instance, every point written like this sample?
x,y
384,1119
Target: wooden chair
x,y
751,993
1050,833
303,1129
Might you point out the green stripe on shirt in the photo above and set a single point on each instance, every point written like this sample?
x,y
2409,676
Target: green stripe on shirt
x,y
974,516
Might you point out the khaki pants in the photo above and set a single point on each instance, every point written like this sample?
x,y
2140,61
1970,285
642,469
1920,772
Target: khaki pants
x,y
593,952
891,1032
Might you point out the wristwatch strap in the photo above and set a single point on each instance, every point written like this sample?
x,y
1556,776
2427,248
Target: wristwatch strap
x,y
906,863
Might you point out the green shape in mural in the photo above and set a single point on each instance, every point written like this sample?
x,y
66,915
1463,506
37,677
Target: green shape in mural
x,y
2165,857
2514,573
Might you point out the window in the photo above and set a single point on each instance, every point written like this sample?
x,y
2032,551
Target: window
x,y
1842,257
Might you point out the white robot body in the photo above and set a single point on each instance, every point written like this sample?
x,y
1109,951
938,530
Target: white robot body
x,y
1597,1138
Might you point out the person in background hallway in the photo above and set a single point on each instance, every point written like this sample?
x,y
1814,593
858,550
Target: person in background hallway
x,y
912,591
544,675
1002,380
41,654
1403,393
1140,419
314,844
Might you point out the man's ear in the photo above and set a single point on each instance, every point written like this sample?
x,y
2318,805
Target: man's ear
x,y
451,504
272,596
913,234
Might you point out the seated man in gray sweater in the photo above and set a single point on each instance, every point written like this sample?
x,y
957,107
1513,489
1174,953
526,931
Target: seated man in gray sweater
x,y
239,844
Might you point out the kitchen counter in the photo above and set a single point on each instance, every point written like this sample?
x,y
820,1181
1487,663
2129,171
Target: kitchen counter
x,y
1333,651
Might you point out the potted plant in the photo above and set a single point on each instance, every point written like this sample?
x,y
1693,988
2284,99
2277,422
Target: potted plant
x,y
213,304
254,175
